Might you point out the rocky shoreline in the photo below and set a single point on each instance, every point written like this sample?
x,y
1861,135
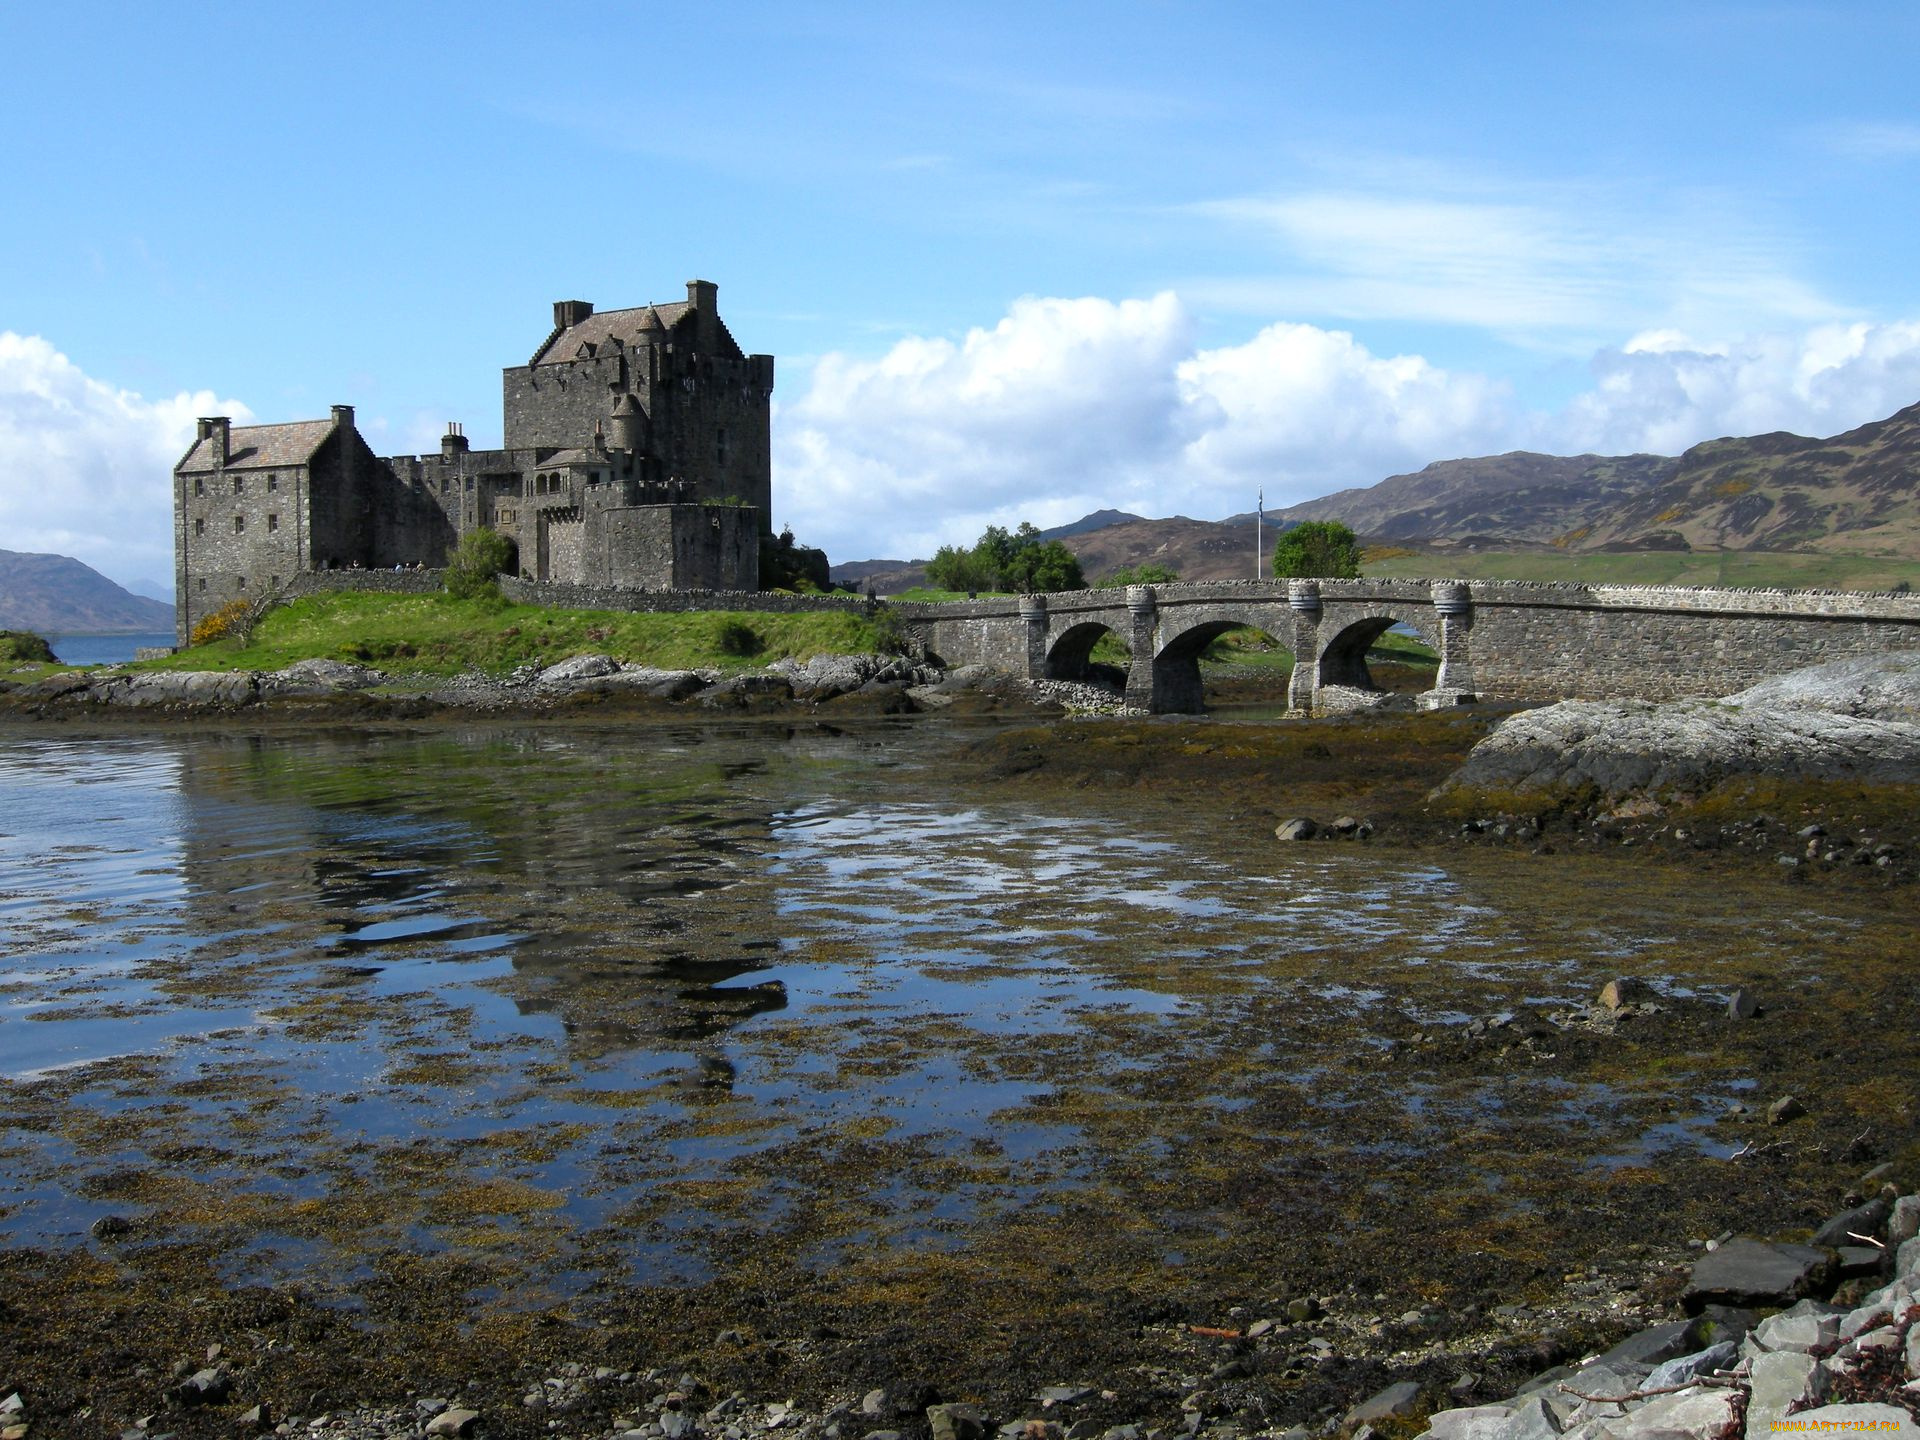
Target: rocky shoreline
x,y
875,684
1824,1334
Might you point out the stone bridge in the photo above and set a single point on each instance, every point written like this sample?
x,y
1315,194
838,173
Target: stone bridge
x,y
1498,639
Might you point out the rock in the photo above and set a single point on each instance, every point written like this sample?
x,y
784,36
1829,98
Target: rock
x,y
1623,991
184,687
260,1417
1906,1260
1848,1225
737,691
1399,1399
1065,1394
1742,1005
1784,1109
1904,1222
1532,1419
956,1422
1751,1272
320,676
1685,1369
1780,1381
1691,1412
1808,1325
1472,1422
1656,1343
110,1227
578,667
1296,829
673,685
1882,687
1345,825
453,1422
1858,1262
1302,1309
206,1387
1629,747
874,1402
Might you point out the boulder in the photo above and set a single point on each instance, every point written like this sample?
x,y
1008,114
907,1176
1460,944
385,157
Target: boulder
x,y
1299,828
1623,991
577,667
454,1422
1904,1221
1654,1344
185,687
1685,1369
1849,1226
1780,1381
1784,1109
1399,1399
739,691
1701,1412
956,1422
1808,1325
1742,1005
1752,1272
1471,1422
655,684
320,677
1880,687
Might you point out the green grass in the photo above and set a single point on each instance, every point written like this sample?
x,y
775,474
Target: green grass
x,y
926,594
438,635
1792,570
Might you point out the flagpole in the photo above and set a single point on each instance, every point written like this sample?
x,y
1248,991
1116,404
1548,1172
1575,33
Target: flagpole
x,y
1259,521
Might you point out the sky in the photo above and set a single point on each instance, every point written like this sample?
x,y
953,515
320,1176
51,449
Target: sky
x,y
1017,262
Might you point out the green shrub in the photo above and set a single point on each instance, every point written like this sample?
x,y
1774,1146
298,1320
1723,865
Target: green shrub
x,y
736,637
1317,550
24,645
473,572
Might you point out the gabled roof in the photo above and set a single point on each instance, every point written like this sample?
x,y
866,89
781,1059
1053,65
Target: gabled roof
x,y
574,459
263,447
630,327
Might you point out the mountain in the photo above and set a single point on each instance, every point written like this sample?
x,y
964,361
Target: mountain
x,y
1857,493
161,590
1086,524
1520,496
56,595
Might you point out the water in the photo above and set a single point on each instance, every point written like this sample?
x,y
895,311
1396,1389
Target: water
x,y
597,1003
103,649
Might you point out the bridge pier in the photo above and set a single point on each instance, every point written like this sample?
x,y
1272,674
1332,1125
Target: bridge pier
x,y
1033,611
1453,603
1303,603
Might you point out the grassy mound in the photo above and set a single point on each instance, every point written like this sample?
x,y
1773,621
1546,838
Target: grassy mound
x,y
439,635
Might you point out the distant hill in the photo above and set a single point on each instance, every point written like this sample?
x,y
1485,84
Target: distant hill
x,y
1086,524
1856,493
56,595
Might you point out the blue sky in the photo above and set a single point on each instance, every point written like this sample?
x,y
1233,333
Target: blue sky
x,y
1015,261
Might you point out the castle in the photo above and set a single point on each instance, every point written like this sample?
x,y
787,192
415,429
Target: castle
x,y
637,454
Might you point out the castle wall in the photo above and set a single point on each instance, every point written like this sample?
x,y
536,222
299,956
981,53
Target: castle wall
x,y
553,407
238,535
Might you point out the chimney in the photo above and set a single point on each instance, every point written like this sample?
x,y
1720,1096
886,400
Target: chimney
x,y
569,313
343,417
217,429
704,297
454,442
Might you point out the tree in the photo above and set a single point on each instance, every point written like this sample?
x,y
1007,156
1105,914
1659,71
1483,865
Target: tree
x,y
1021,561
476,564
1317,550
1148,574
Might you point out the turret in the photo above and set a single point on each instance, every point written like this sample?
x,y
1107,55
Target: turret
x,y
629,424
217,431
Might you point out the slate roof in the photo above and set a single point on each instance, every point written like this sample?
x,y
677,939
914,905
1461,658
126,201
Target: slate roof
x,y
626,326
560,459
263,447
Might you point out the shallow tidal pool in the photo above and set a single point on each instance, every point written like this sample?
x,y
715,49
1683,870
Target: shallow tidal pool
x,y
591,1009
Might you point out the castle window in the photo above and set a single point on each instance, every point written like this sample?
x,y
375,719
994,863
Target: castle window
x,y
199,484
240,583
720,445
276,581
273,483
273,522
200,526
203,584
239,484
239,523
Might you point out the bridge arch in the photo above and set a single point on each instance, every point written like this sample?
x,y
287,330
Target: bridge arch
x,y
1070,653
1176,685
1343,656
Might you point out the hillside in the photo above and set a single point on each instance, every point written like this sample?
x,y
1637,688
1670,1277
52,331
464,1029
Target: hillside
x,y
1517,497
56,595
1855,493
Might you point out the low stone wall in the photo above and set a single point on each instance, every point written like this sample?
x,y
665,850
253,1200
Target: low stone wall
x,y
393,582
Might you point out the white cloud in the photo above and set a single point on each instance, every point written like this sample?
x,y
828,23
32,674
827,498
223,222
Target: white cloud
x,y
1868,140
1069,406
1556,266
85,469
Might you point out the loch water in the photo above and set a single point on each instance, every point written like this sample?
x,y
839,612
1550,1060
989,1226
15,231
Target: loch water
x,y
597,1002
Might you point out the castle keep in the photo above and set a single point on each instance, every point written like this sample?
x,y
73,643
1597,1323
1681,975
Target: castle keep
x,y
637,454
